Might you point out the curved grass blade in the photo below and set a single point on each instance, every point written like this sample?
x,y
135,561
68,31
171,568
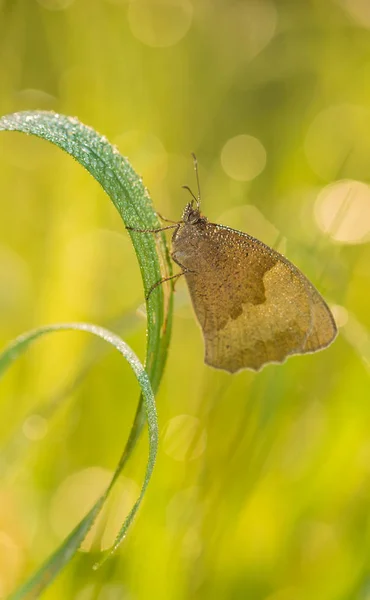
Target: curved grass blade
x,y
52,566
47,407
131,199
128,194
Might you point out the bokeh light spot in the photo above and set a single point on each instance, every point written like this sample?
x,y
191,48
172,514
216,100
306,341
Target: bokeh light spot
x,y
76,495
342,210
340,314
243,157
184,438
160,23
248,27
35,427
358,10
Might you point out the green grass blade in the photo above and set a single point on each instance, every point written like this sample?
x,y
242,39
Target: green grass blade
x,y
48,406
53,565
126,190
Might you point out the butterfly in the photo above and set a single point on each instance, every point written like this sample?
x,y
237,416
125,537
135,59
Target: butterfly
x,y
253,305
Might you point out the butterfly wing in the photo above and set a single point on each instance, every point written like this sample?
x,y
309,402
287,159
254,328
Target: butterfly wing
x,y
253,305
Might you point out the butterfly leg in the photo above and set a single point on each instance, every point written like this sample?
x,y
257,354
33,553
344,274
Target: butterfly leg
x,y
163,280
152,230
176,276
166,220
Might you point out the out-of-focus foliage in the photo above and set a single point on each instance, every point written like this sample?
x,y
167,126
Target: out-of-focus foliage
x,y
262,485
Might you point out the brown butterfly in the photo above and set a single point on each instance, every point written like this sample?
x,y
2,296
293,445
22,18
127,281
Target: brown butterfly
x,y
253,305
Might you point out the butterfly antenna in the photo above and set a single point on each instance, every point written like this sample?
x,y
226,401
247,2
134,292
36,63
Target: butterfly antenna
x,y
186,187
195,162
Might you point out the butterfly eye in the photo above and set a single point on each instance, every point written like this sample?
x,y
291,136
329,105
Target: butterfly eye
x,y
194,217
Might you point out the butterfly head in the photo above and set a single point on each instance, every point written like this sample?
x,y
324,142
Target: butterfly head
x,y
191,215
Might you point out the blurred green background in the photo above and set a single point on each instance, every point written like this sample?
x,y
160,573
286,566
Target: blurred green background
x,y
262,485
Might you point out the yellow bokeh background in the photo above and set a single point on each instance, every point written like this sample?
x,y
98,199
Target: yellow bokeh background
x,y
262,485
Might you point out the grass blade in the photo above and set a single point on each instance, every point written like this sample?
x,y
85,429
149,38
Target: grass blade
x,y
125,188
128,194
52,566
